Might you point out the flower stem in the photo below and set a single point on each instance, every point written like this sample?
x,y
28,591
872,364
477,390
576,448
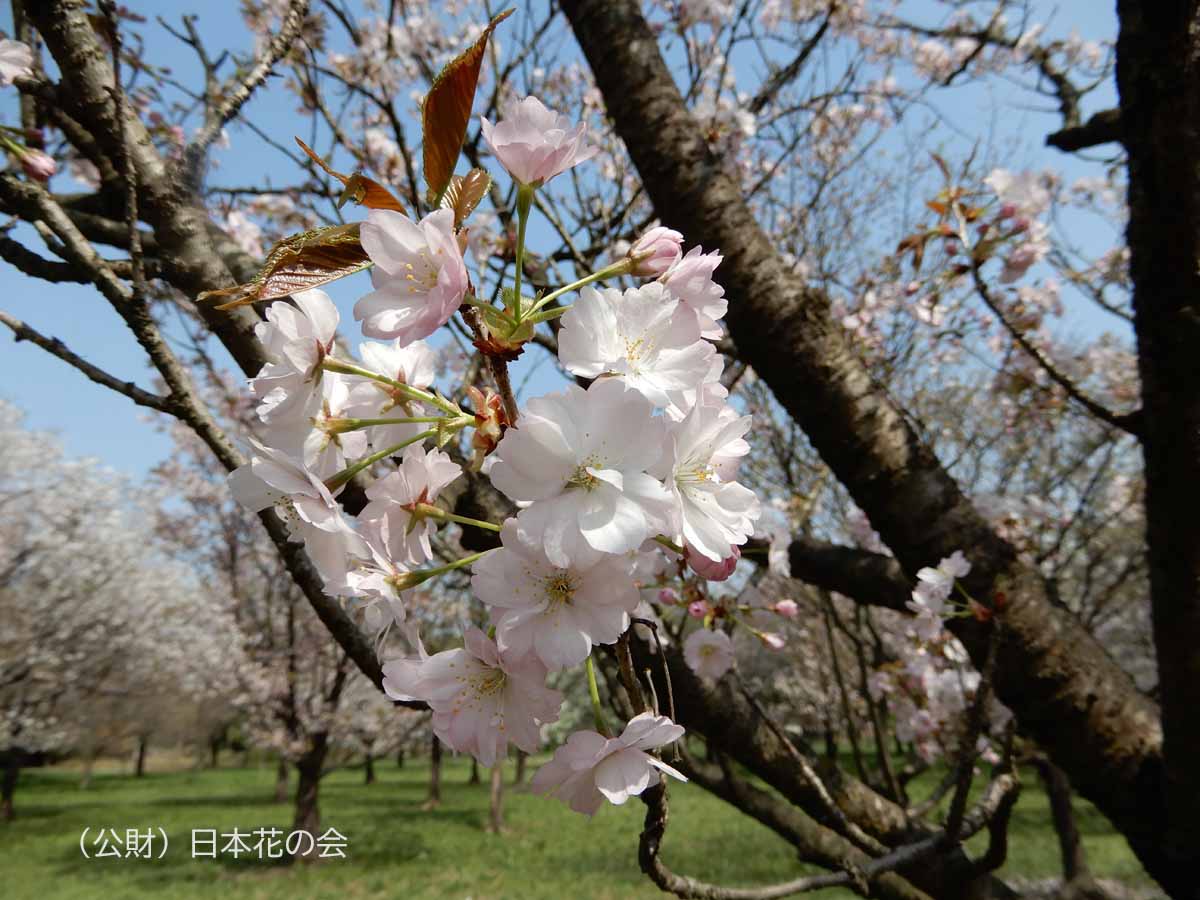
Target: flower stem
x,y
436,512
524,201
419,576
329,364
594,693
336,481
620,267
669,544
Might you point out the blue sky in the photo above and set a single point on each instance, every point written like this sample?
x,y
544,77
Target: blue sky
x,y
94,421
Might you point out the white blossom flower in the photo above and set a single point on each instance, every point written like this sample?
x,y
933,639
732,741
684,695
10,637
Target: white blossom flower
x,y
708,653
590,768
272,478
713,513
420,477
481,699
16,59
296,340
419,275
580,459
534,143
557,613
413,364
637,336
691,281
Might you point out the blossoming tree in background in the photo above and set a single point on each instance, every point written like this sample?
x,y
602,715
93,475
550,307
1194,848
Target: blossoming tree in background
x,y
816,461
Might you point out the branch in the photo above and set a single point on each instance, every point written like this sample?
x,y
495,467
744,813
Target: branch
x,y
1102,128
781,77
22,332
235,99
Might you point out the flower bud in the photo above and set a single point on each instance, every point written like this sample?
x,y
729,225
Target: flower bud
x,y
668,597
789,609
655,252
771,640
1007,211
711,569
697,609
38,165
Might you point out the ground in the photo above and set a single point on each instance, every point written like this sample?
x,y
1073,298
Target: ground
x,y
396,850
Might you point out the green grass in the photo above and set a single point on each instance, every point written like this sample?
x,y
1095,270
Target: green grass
x,y
398,851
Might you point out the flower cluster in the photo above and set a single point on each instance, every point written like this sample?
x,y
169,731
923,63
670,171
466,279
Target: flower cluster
x,y
612,482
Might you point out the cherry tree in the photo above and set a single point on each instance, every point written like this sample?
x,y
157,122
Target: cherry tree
x,y
777,377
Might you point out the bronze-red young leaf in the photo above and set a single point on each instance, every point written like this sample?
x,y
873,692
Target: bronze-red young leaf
x,y
357,187
300,262
447,110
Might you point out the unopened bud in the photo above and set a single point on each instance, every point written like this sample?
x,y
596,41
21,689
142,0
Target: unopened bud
x,y
38,165
713,570
655,252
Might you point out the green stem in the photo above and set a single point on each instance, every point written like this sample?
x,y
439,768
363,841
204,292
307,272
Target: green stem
x,y
329,364
524,201
594,693
412,579
620,267
340,426
336,481
669,544
436,512
547,314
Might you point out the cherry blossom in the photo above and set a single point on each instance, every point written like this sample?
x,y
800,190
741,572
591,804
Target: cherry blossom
x,y
419,277
580,459
414,364
534,143
708,653
296,339
691,281
481,698
713,513
16,60
590,768
655,252
554,612
713,569
420,477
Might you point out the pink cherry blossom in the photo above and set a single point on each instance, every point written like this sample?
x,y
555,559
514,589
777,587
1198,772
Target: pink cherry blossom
x,y
420,477
655,252
590,768
16,60
419,277
556,613
38,165
690,280
668,597
712,569
534,143
481,698
580,459
789,609
708,653
697,609
637,336
771,640
413,364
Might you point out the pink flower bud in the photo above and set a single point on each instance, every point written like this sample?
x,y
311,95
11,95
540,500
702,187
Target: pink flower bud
x,y
789,609
1020,226
38,165
655,252
1007,211
951,246
668,597
710,569
771,640
697,609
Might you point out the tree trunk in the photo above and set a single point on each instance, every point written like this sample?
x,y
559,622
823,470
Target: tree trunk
x,y
496,799
139,768
435,775
308,783
474,777
1158,77
1065,690
281,781
214,753
399,759
1077,878
8,785
519,776
369,770
89,763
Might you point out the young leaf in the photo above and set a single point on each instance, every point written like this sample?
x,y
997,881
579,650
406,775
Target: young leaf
x,y
299,262
464,193
447,110
356,187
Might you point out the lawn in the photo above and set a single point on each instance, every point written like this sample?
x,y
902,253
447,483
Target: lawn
x,y
397,851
